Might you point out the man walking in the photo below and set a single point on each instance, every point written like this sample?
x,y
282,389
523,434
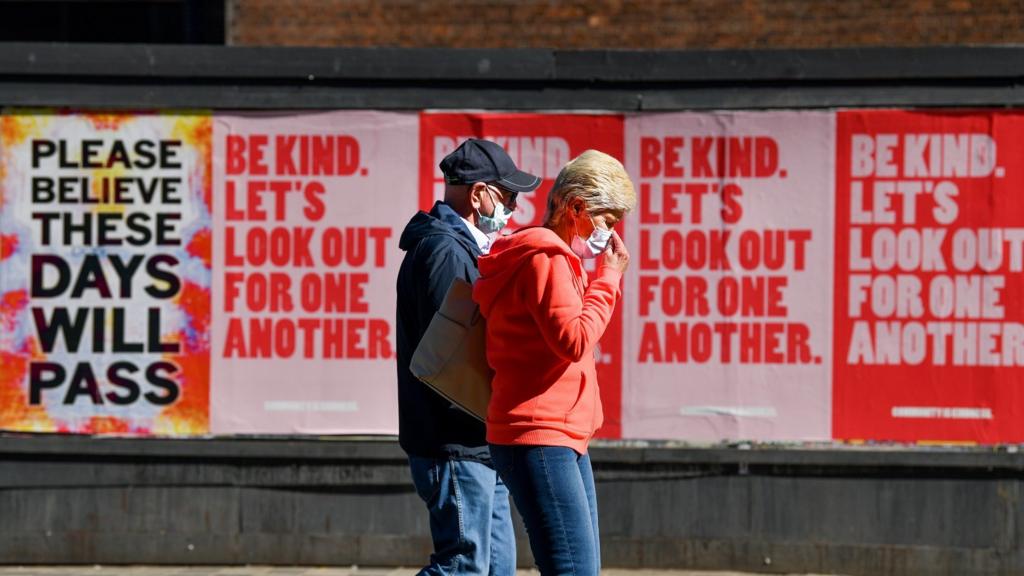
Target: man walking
x,y
470,520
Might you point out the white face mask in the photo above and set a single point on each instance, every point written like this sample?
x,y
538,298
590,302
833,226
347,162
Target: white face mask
x,y
497,220
594,245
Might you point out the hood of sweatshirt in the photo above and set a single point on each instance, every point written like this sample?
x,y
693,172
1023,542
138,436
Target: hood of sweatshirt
x,y
508,254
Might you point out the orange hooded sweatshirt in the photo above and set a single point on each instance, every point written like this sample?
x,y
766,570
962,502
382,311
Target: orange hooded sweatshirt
x,y
543,322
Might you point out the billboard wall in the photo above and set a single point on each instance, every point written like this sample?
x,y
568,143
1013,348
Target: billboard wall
x,y
795,275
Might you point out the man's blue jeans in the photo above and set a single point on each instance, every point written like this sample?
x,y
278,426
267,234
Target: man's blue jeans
x,y
470,517
553,488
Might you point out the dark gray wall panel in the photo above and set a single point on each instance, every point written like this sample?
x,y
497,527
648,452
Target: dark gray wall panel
x,y
219,501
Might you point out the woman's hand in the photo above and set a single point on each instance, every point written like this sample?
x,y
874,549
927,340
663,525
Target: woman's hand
x,y
616,255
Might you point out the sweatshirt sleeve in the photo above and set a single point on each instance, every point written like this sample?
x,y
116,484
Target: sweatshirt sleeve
x,y
570,327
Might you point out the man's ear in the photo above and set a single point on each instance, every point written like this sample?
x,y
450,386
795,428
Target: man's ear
x,y
476,194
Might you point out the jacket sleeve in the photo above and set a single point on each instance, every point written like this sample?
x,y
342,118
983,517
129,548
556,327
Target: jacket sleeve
x,y
571,326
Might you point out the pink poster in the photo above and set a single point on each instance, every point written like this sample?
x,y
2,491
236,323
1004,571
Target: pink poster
x,y
729,292
308,212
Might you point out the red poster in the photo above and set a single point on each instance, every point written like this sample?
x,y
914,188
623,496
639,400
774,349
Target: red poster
x,y
540,144
929,339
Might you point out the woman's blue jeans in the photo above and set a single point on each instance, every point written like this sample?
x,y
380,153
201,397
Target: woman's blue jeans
x,y
553,488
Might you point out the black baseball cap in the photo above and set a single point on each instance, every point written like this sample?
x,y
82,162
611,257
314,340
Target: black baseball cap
x,y
478,160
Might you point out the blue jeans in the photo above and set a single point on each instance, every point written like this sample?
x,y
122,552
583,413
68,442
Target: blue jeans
x,y
470,517
553,488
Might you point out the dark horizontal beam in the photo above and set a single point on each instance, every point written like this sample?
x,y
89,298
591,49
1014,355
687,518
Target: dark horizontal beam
x,y
411,96
94,76
58,446
193,62
331,64
851,64
606,454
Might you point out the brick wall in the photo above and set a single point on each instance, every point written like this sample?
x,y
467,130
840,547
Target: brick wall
x,y
641,24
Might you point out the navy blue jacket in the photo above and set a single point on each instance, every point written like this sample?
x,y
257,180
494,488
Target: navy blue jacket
x,y
438,248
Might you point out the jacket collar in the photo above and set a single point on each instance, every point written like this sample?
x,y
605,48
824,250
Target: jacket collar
x,y
449,216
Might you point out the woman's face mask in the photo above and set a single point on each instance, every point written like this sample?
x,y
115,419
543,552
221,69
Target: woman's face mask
x,y
592,246
495,222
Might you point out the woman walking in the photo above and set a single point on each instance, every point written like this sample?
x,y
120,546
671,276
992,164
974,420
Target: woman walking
x,y
544,319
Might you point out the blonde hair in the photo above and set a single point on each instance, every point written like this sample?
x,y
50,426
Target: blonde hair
x,y
599,179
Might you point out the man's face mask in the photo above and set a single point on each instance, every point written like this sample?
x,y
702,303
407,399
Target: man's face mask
x,y
495,222
591,247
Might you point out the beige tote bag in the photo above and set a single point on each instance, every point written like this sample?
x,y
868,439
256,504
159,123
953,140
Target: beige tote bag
x,y
451,356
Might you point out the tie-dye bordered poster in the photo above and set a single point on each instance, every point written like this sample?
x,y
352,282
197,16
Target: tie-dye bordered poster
x,y
105,272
